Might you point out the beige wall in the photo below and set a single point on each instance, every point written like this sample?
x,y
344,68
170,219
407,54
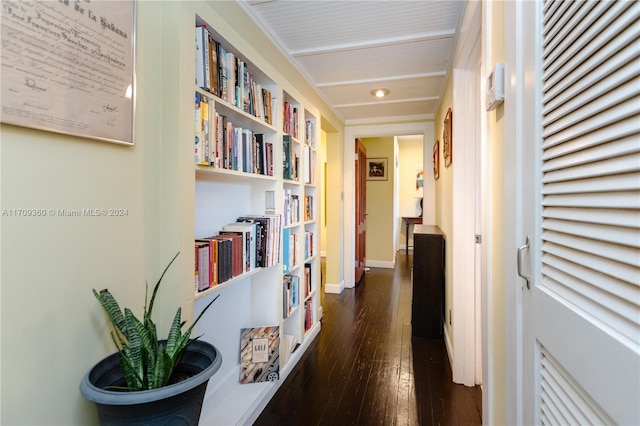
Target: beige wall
x,y
53,329
380,199
495,129
443,202
410,156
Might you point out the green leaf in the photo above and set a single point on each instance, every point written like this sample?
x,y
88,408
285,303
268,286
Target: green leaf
x,y
144,361
112,310
155,289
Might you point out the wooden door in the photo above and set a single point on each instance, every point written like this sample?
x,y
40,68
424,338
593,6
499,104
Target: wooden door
x,y
361,209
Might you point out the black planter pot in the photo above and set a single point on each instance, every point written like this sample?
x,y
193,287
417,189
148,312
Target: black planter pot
x,y
175,404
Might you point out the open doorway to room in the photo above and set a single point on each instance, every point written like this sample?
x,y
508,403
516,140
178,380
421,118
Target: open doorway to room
x,y
394,183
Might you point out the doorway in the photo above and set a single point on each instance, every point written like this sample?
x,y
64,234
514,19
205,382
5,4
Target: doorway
x,y
361,209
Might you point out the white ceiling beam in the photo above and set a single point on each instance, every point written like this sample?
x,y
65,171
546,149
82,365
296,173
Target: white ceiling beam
x,y
396,101
365,44
382,79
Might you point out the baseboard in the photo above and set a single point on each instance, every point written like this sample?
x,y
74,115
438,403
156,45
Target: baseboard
x,y
380,264
402,247
334,288
323,254
447,343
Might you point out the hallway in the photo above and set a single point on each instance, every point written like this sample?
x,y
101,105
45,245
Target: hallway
x,y
365,368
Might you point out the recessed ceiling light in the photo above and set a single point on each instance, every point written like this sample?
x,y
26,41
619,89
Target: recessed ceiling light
x,y
380,93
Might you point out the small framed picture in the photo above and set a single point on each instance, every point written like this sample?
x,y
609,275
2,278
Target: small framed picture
x,y
377,169
436,160
447,139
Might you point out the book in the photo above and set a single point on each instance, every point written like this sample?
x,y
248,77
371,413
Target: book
x,y
291,294
308,314
203,266
248,232
273,232
259,354
287,160
307,280
224,257
199,145
223,74
306,160
213,65
212,266
200,37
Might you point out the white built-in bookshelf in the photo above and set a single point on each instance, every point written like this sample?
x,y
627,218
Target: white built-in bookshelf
x,y
234,181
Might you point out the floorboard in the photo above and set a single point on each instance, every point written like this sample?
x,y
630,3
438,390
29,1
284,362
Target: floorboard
x,y
365,368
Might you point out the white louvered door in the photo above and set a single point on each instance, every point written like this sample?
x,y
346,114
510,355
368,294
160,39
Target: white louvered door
x,y
582,356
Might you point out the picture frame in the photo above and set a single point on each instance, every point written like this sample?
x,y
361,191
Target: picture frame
x,y
377,169
76,92
436,160
447,139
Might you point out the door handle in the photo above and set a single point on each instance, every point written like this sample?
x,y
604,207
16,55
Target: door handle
x,y
521,250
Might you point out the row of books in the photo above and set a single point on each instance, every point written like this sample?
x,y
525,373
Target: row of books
x,y
308,314
251,242
289,159
289,250
291,208
290,119
228,77
220,144
308,207
308,244
290,294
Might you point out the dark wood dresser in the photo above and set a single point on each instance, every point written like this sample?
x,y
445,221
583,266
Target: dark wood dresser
x,y
427,307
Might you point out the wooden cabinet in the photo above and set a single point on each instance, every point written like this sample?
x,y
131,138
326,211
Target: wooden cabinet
x,y
427,308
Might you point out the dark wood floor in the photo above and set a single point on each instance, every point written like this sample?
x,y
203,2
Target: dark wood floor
x,y
365,368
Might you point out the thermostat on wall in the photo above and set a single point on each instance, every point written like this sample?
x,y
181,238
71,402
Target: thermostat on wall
x,y
495,87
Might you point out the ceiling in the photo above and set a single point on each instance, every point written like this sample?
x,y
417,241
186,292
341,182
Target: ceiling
x,y
348,48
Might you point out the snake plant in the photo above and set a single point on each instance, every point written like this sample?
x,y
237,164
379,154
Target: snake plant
x,y
146,362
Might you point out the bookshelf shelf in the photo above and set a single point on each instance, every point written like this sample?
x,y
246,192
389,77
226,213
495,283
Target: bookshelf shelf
x,y
216,173
233,281
242,134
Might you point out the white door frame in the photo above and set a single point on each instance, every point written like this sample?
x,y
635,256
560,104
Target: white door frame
x,y
377,130
465,284
519,151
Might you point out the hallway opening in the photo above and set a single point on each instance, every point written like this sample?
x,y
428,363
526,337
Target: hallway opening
x,y
365,367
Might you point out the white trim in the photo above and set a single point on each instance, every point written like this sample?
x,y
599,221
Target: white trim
x,y
437,74
323,254
380,264
467,127
350,135
486,299
447,344
383,120
334,288
389,41
466,104
394,101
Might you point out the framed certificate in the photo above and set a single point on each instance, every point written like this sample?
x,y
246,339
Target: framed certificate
x,y
68,67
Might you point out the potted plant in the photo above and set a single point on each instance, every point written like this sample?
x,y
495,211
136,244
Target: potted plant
x,y
150,381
